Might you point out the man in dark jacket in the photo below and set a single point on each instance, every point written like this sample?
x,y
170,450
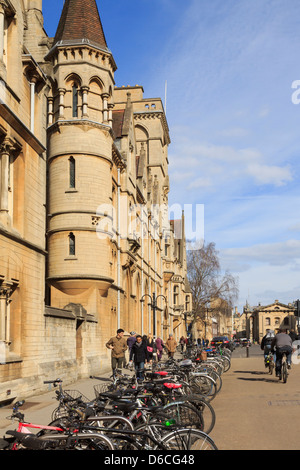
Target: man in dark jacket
x,y
282,343
139,355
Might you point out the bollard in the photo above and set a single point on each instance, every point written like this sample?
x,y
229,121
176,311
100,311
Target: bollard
x,y
247,350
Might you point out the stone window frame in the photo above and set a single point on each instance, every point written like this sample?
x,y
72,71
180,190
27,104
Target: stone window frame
x,y
72,244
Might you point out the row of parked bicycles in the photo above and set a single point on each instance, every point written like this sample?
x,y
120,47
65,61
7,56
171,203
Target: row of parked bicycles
x,y
170,410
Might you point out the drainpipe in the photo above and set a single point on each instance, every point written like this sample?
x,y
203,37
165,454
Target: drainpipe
x,y
32,107
119,254
142,268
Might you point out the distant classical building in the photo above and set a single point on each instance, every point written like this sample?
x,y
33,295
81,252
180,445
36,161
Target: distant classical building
x,y
275,316
85,244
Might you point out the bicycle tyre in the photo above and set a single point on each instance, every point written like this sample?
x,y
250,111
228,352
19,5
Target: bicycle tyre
x,y
204,385
185,414
284,372
188,439
226,363
207,413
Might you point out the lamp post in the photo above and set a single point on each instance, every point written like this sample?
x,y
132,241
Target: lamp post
x,y
153,305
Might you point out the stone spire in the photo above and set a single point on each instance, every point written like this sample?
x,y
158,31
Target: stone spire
x,y
80,22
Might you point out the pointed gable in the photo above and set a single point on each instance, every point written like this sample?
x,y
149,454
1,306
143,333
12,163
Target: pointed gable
x,y
80,20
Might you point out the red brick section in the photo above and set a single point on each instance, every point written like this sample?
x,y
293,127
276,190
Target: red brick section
x,y
79,20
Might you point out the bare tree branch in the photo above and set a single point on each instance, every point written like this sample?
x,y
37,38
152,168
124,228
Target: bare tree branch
x,y
208,284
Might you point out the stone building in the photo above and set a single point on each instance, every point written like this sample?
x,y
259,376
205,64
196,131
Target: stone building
x,y
261,318
86,246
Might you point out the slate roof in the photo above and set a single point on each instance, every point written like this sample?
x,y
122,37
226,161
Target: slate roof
x,y
80,20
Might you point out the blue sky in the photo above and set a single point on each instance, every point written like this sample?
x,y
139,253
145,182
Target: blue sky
x,y
229,68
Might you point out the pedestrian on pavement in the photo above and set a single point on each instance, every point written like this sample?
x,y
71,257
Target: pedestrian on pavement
x,y
159,347
171,345
182,343
131,340
282,343
139,355
118,346
150,347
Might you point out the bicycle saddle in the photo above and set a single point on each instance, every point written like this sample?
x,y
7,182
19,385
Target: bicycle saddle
x,y
172,386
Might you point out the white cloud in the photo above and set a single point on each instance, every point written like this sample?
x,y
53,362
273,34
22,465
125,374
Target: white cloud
x,y
268,174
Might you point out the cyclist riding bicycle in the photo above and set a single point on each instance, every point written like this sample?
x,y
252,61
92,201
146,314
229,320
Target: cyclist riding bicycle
x,y
283,344
266,343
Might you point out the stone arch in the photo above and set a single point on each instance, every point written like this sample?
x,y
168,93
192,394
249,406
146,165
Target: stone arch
x,y
95,99
142,141
73,97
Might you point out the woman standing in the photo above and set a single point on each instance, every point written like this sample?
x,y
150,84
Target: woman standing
x,y
159,347
150,347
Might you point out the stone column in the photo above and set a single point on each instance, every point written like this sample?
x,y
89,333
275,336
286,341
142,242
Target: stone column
x,y
62,92
110,108
50,111
85,90
105,97
5,151
5,293
2,14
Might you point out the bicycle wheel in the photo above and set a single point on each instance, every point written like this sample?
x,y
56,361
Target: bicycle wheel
x,y
188,439
226,363
208,416
204,385
284,372
184,414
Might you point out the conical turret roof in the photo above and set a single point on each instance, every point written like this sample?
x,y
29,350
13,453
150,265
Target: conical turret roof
x,y
80,22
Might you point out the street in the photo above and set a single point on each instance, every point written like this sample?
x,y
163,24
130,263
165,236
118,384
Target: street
x,y
254,410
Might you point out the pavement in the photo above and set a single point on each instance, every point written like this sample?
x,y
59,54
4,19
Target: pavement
x,y
254,411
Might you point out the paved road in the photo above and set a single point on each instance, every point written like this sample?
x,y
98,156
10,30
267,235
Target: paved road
x,y
254,410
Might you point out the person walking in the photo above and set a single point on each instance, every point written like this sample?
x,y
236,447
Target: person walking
x,y
139,355
131,340
150,347
182,343
159,348
171,345
118,346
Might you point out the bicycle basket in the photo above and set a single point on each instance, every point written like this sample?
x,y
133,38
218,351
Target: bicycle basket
x,y
102,388
74,395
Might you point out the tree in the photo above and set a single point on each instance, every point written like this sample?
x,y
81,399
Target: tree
x,y
211,289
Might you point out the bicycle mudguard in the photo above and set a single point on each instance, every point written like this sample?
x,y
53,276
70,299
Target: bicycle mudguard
x,y
29,441
5,443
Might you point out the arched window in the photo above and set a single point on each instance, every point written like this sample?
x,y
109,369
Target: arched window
x,y
75,100
72,250
72,175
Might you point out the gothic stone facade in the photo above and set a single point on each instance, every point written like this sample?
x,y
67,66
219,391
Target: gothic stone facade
x,y
77,155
